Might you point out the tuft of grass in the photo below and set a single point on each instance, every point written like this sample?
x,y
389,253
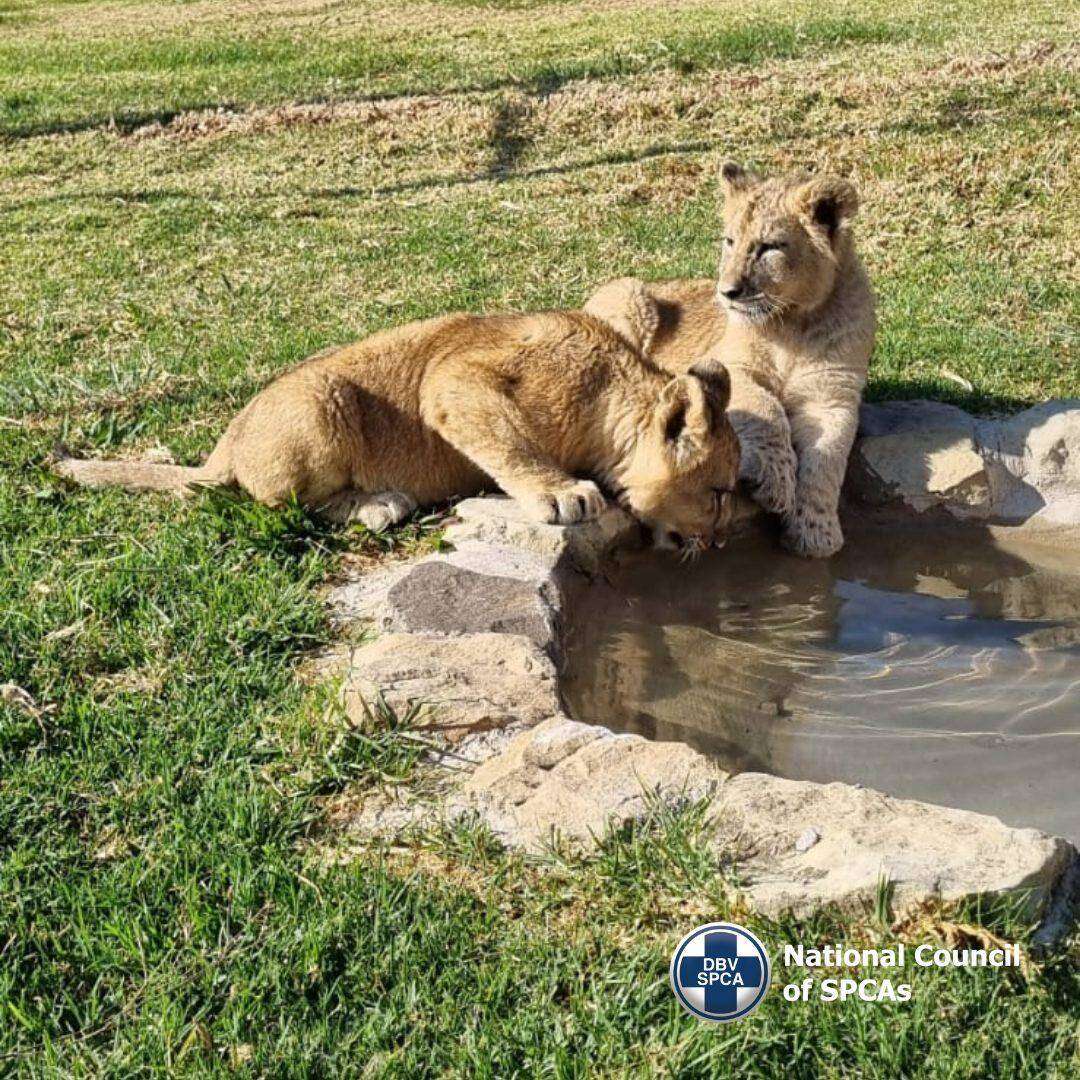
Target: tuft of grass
x,y
381,748
421,534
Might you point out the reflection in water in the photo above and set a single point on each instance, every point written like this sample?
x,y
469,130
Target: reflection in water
x,y
941,668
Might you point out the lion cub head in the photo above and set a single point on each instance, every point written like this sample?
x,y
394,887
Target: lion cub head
x,y
783,242
681,473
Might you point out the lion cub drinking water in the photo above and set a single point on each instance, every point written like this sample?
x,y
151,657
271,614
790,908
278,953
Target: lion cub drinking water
x,y
443,408
792,318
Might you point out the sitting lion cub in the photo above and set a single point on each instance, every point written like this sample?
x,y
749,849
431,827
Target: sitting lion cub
x,y
792,318
443,408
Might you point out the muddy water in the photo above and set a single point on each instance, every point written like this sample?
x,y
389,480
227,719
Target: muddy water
x,y
939,667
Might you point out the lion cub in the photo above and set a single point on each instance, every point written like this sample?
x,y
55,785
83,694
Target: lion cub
x,y
792,318
542,405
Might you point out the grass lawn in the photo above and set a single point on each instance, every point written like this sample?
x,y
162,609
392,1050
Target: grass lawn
x,y
194,195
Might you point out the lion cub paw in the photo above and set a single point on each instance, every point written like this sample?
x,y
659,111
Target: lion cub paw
x,y
815,536
582,501
375,512
385,509
769,472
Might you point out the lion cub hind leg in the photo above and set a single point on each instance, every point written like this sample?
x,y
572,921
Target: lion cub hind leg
x,y
626,306
376,511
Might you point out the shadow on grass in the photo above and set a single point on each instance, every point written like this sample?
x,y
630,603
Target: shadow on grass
x,y
955,116
508,139
623,157
500,172
978,401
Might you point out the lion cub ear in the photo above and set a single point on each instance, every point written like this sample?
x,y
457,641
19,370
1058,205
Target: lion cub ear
x,y
689,410
716,383
827,202
626,306
734,178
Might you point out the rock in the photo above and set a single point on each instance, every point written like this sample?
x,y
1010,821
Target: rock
x,y
502,521
570,780
575,780
499,560
921,453
923,851
364,598
1033,460
1023,471
901,417
473,683
437,597
1060,918
360,599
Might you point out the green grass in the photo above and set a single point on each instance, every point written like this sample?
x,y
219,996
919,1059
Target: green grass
x,y
135,77
165,903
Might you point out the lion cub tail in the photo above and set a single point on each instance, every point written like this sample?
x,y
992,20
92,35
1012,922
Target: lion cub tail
x,y
132,475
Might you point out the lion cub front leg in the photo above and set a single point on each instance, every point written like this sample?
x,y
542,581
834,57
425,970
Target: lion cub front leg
x,y
485,425
823,435
767,462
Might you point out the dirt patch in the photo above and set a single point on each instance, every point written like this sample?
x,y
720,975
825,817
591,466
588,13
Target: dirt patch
x,y
215,123
644,106
1032,55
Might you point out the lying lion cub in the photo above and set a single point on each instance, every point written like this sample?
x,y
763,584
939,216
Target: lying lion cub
x,y
443,408
792,318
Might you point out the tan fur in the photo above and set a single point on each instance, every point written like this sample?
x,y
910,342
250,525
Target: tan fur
x,y
795,328
540,405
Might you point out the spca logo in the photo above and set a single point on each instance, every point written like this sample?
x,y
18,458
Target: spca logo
x,y
720,972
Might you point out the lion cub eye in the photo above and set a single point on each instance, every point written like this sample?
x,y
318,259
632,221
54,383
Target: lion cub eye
x,y
769,245
728,241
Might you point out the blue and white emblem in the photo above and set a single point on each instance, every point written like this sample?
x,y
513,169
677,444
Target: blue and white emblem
x,y
720,972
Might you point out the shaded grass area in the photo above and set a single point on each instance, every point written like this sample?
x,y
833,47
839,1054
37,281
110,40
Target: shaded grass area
x,y
170,902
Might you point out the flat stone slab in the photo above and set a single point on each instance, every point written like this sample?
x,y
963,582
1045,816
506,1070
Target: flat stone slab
x,y
863,837
364,598
474,683
501,521
566,781
440,598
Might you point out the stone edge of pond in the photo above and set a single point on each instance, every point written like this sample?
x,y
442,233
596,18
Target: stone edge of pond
x,y
1020,472
475,634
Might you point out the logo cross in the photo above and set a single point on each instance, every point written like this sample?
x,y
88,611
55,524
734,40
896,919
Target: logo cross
x,y
721,948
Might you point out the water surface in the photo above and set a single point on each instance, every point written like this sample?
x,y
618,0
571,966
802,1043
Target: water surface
x,y
928,665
